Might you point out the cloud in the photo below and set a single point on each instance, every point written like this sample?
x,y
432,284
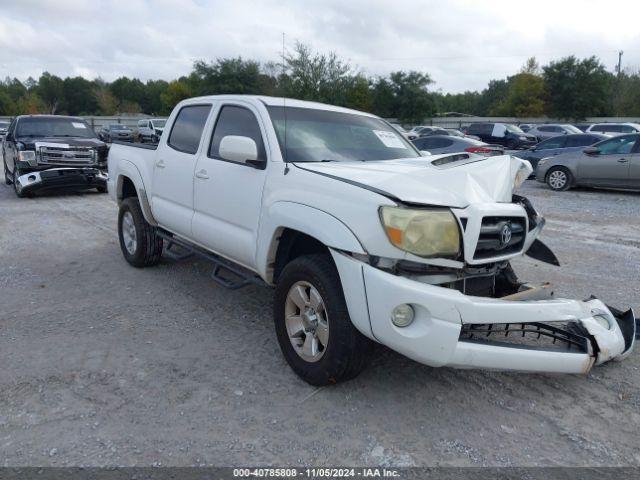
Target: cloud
x,y
462,44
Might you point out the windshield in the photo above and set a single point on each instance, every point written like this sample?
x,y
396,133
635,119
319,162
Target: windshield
x,y
572,129
118,127
4,125
316,135
158,123
53,127
513,128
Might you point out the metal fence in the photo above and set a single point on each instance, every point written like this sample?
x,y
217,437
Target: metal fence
x,y
459,122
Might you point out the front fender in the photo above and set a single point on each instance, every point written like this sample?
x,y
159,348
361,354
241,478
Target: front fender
x,y
311,221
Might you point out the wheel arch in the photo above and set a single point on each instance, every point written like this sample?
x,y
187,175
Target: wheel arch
x,y
129,183
292,229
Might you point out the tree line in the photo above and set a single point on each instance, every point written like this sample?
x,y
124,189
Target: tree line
x,y
569,88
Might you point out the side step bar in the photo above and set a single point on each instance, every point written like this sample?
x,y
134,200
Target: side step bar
x,y
225,273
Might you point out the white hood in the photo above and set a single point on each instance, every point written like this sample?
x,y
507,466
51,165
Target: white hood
x,y
476,179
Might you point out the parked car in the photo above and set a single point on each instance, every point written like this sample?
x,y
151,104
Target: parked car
x,y
4,125
525,127
582,126
614,163
438,144
363,239
542,132
115,131
503,134
614,128
559,145
150,129
44,152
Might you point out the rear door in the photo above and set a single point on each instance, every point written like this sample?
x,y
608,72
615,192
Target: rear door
x,y
228,193
175,161
611,166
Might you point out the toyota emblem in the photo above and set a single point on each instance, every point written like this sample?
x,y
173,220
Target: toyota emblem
x,y
505,235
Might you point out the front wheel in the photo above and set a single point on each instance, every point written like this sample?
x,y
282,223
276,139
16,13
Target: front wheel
x,y
559,179
140,244
312,323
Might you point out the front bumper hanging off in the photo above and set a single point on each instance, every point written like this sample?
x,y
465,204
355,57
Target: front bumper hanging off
x,y
463,331
64,177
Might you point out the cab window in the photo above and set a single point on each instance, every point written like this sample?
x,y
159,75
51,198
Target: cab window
x,y
618,145
187,128
240,121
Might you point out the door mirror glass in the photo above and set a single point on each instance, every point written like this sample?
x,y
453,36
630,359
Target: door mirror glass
x,y
592,151
236,148
424,153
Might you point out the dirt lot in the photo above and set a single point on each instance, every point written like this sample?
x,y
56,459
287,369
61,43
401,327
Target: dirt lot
x,y
103,364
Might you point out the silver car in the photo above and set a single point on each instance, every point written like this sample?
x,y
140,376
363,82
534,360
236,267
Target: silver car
x,y
549,130
611,163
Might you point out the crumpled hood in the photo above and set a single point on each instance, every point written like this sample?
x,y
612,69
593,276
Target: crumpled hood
x,y
474,179
31,142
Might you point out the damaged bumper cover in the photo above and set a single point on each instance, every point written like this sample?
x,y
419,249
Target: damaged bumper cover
x,y
463,331
63,177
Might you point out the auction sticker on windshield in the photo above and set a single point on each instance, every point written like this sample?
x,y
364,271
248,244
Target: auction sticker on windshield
x,y
78,125
389,139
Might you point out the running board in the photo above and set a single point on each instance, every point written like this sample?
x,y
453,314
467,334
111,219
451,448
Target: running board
x,y
225,273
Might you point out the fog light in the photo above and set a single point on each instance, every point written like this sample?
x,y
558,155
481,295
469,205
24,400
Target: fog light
x,y
603,320
402,315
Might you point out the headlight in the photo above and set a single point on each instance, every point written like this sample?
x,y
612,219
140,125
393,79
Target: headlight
x,y
524,170
523,138
424,232
27,156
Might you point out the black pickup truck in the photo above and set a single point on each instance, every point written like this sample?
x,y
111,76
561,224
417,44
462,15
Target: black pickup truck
x,y
46,152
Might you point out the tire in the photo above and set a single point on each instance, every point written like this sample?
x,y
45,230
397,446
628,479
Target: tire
x,y
346,351
559,179
7,180
101,189
146,249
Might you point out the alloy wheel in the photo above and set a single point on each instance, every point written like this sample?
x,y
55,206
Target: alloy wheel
x,y
307,321
557,179
129,233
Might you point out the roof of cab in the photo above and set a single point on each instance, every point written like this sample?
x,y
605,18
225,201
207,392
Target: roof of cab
x,y
278,102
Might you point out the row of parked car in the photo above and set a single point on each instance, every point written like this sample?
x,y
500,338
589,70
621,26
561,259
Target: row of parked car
x,y
601,155
148,130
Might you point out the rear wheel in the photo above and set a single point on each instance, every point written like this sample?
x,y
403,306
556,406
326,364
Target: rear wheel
x,y
312,323
559,179
140,244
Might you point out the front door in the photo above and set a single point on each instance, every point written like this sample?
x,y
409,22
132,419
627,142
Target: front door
x,y
227,193
610,167
175,161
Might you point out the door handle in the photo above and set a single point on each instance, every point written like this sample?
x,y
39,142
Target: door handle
x,y
622,160
160,164
202,174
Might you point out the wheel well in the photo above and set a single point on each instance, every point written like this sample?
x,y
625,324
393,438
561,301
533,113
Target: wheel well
x,y
127,189
558,167
293,244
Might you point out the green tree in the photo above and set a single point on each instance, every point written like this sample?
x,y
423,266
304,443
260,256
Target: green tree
x,y
232,75
577,88
383,98
177,90
413,102
79,96
50,90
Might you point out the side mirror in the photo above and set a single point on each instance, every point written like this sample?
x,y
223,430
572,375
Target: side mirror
x,y
592,151
424,153
9,137
240,149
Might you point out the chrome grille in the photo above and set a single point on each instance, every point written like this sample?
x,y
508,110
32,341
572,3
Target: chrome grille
x,y
492,243
67,156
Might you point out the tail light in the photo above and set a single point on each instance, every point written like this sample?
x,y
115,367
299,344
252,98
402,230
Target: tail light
x,y
481,150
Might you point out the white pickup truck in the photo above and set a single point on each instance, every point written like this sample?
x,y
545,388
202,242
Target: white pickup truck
x,y
364,238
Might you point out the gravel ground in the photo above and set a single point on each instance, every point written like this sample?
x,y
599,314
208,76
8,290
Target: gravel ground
x,y
104,364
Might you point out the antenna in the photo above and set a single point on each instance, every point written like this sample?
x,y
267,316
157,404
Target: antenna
x,y
284,110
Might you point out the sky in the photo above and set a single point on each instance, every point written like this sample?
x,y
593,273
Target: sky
x,y
461,44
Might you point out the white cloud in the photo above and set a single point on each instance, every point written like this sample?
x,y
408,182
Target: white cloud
x,y
462,44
